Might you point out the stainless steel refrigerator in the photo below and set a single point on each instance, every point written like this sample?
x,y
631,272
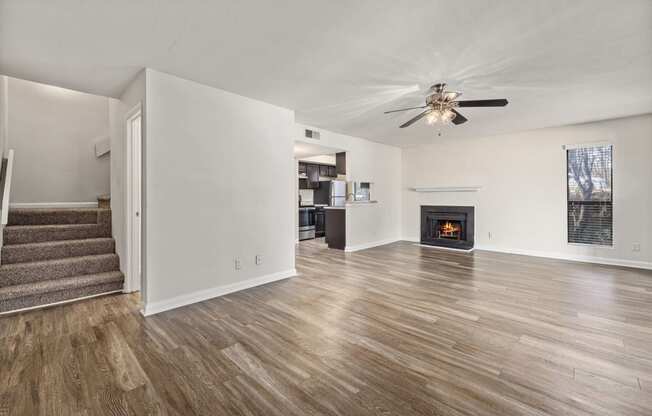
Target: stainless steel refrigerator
x,y
337,193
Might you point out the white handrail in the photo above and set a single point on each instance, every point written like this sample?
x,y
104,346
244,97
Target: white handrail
x,y
4,210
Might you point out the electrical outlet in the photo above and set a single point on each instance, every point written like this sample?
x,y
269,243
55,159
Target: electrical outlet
x,y
238,264
636,247
259,259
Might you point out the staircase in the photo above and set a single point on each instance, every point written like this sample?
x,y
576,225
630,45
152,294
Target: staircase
x,y
55,255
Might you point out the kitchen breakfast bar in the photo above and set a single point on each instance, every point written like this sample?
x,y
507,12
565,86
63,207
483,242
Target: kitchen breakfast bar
x,y
336,224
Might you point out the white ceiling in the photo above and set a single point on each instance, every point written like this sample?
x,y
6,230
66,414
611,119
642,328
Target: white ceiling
x,y
340,64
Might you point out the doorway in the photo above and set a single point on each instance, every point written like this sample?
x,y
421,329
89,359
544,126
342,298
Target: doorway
x,y
134,146
318,186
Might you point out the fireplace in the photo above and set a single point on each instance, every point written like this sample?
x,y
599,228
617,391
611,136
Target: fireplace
x,y
447,226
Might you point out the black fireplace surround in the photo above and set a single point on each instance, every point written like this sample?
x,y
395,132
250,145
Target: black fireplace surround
x,y
447,226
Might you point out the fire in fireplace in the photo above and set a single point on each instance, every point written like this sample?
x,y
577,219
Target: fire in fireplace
x,y
447,226
449,229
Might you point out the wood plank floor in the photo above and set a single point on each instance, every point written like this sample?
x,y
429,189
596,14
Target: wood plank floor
x,y
395,330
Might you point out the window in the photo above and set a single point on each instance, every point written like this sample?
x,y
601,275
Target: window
x,y
590,195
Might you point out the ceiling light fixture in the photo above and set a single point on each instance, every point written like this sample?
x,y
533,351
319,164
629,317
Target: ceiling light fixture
x,y
442,115
441,107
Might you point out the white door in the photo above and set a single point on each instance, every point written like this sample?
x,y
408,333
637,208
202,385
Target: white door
x,y
134,180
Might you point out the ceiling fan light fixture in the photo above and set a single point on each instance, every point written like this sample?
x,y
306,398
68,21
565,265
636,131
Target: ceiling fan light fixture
x,y
441,116
433,117
447,116
441,107
451,95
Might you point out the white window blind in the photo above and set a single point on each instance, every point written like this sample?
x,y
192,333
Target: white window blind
x,y
590,195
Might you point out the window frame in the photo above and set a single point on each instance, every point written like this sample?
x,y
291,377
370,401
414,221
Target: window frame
x,y
565,149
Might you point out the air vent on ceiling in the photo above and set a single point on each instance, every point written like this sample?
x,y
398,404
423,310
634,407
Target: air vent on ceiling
x,y
312,134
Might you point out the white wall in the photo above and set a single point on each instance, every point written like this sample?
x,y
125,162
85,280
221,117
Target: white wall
x,y
523,201
372,224
132,96
53,132
219,180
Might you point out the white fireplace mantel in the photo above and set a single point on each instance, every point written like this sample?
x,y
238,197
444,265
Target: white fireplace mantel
x,y
446,188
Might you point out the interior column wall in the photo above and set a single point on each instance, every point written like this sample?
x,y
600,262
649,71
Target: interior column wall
x,y
219,169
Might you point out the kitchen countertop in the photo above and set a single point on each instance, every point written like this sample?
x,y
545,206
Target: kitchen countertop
x,y
352,204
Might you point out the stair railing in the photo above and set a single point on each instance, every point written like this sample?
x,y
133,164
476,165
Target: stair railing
x,y
5,187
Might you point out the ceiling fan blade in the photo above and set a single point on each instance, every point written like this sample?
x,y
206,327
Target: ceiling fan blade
x,y
404,109
482,103
458,119
415,119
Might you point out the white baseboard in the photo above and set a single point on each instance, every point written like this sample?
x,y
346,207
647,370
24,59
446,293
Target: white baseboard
x,y
201,295
559,256
571,257
350,249
53,205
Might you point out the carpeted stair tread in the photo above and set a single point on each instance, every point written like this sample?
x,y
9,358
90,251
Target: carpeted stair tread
x,y
45,299
24,234
22,273
54,255
50,250
50,216
58,285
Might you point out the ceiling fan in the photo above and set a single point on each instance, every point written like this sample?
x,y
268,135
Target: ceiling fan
x,y
441,107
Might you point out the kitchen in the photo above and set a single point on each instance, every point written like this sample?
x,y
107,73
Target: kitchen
x,y
324,194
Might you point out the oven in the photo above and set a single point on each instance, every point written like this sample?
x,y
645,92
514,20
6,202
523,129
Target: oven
x,y
306,223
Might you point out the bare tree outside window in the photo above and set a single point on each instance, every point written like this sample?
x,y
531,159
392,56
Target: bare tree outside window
x,y
590,195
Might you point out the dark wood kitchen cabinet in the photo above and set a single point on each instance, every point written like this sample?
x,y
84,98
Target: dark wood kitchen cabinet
x,y
340,163
320,222
336,228
312,171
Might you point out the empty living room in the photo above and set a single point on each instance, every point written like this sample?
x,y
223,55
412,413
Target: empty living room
x,y
297,208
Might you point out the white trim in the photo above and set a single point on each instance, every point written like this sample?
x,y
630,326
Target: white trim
x,y
132,282
572,257
214,292
558,256
585,145
53,205
446,188
587,245
351,249
61,302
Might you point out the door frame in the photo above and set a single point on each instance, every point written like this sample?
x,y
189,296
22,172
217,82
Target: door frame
x,y
133,281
